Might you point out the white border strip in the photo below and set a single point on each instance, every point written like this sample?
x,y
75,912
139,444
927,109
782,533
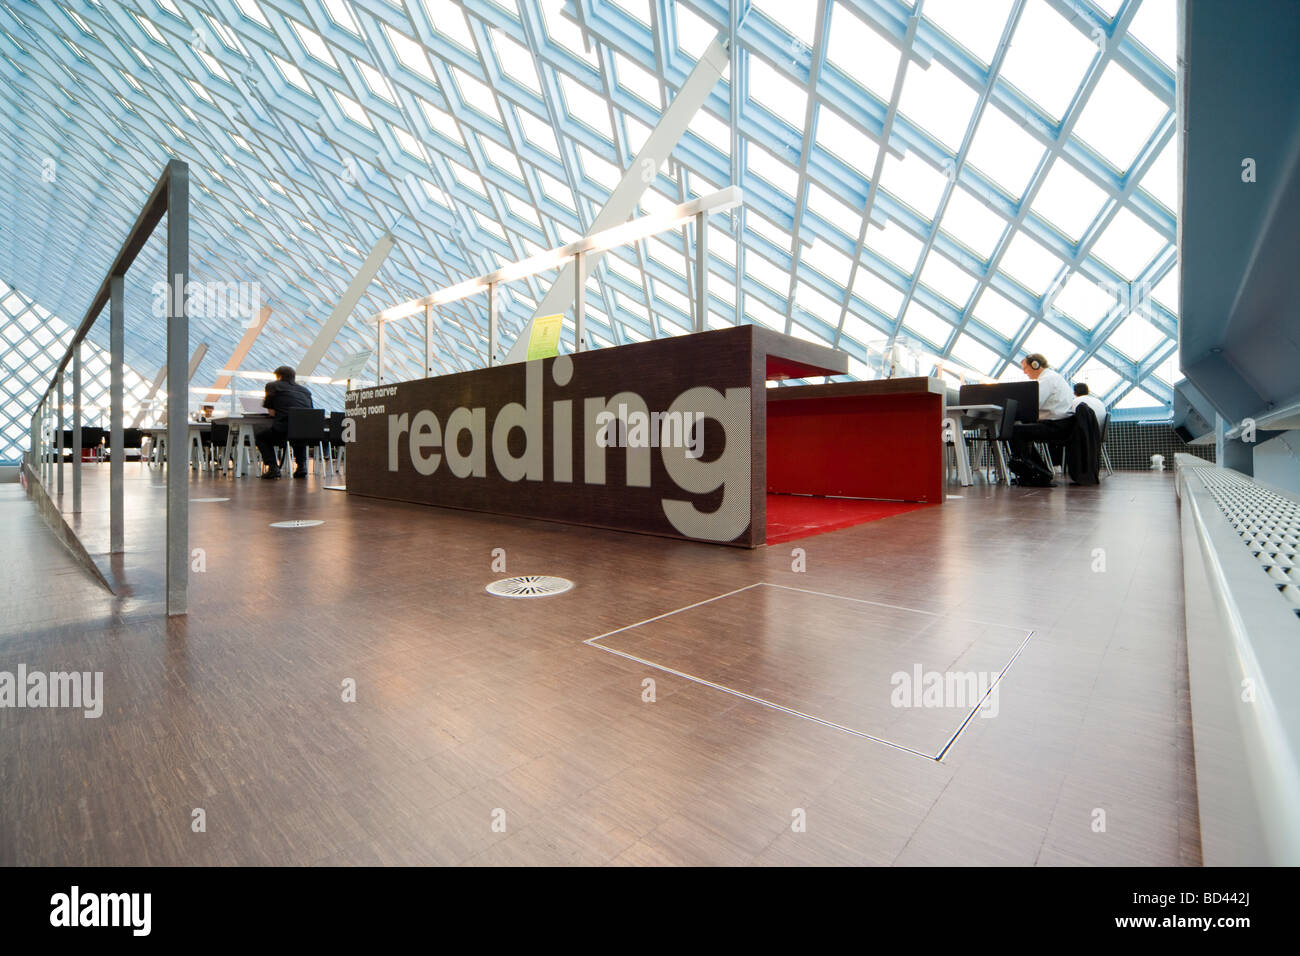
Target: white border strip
x,y
987,695
938,758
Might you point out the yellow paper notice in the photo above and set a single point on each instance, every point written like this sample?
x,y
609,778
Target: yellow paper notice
x,y
544,342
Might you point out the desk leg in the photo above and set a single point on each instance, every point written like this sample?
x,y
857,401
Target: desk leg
x,y
962,452
244,463
999,458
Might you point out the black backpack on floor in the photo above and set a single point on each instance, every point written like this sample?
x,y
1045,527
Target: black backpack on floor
x,y
1030,474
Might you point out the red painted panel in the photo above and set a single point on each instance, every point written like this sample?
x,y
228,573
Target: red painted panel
x,y
779,366
864,446
791,517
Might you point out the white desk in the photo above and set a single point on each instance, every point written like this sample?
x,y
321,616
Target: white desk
x,y
237,449
158,443
986,417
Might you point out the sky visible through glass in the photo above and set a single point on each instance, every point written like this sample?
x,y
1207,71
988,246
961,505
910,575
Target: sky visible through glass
x,y
976,178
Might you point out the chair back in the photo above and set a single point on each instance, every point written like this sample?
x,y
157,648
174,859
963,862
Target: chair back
x,y
132,437
220,433
90,437
335,429
1006,427
306,424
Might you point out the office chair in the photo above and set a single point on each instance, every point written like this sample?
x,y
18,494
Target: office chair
x,y
337,447
307,425
197,460
986,453
993,454
131,438
219,439
1105,455
91,441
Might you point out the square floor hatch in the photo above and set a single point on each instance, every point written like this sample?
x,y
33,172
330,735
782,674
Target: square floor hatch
x,y
908,678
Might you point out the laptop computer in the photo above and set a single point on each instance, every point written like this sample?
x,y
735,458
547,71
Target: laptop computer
x,y
253,406
1024,393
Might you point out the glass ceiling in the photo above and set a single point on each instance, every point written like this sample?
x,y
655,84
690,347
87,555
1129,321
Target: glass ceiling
x,y
978,177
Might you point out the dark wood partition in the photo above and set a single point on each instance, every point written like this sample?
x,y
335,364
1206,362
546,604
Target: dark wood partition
x,y
531,439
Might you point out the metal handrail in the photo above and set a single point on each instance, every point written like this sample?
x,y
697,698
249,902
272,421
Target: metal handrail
x,y
170,197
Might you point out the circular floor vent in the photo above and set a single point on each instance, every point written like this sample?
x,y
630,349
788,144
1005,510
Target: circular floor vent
x,y
529,586
295,524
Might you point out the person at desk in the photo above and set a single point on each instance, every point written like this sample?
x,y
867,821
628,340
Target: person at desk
x,y
204,415
1083,396
1055,410
282,395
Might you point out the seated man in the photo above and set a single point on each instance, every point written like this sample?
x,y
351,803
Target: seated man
x,y
204,417
1055,411
281,395
1082,395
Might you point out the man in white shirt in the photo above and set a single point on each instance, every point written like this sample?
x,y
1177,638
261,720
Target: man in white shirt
x,y
1083,396
1055,410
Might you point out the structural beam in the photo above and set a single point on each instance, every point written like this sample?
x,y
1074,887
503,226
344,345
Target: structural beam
x,y
237,356
636,179
147,401
330,328
195,361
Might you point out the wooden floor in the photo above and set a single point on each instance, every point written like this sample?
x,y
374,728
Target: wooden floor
x,y
486,731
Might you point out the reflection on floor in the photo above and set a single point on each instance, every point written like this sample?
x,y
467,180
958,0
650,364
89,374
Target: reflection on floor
x,y
798,516
485,730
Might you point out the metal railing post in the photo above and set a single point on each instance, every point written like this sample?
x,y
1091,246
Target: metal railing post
x,y
44,459
178,349
40,438
492,324
76,428
59,446
116,473
701,273
428,340
580,302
